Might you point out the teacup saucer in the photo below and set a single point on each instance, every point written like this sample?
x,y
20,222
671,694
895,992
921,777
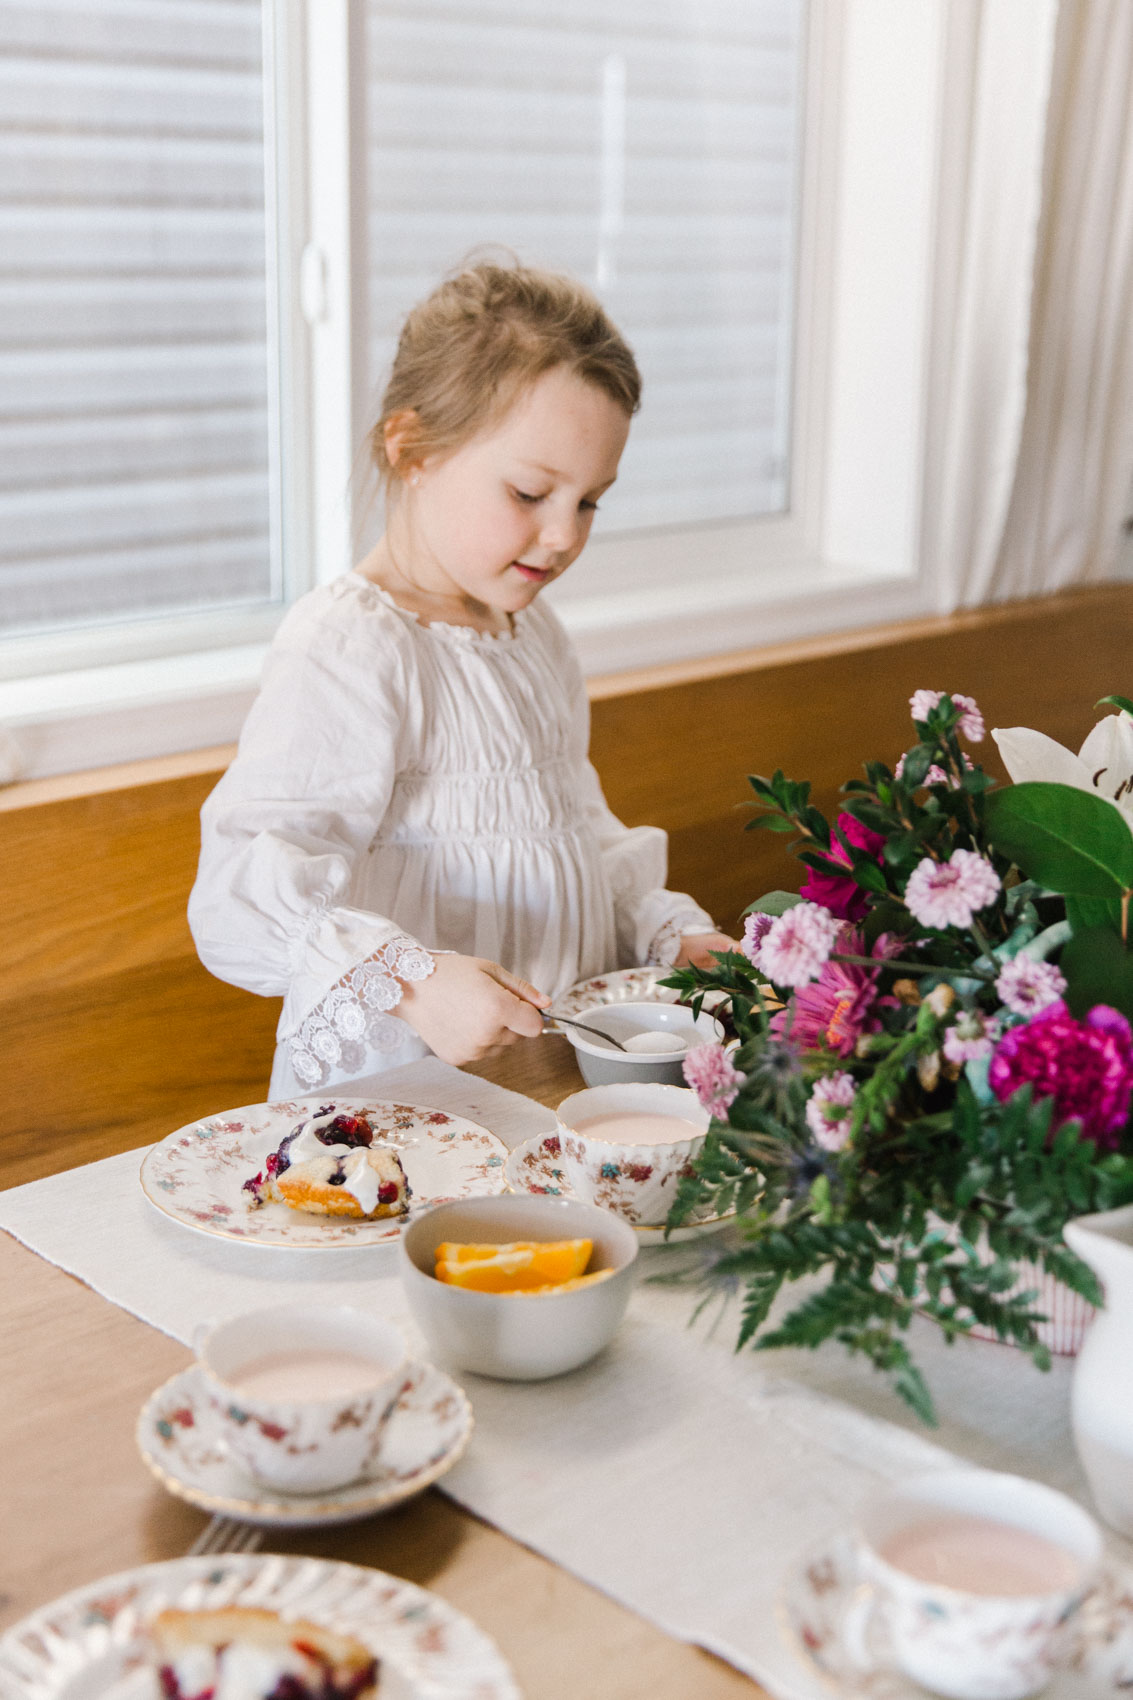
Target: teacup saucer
x,y
534,1167
427,1433
821,1592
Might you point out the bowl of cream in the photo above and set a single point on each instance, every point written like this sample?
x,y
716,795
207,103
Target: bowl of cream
x,y
657,1037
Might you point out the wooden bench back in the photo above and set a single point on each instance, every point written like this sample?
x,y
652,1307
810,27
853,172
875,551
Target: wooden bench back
x,y
114,1034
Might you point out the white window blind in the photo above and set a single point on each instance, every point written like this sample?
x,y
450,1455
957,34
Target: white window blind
x,y
134,474
650,148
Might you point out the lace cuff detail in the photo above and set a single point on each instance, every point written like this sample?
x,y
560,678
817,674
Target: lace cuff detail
x,y
665,945
354,1016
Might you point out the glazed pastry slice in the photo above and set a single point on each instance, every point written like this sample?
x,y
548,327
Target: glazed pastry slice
x,y
329,1165
246,1653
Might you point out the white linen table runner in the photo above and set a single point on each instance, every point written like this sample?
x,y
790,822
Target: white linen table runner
x,y
681,1478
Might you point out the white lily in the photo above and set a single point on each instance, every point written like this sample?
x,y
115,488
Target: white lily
x,y
1104,763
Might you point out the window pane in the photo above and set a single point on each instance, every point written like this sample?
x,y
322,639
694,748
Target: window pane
x,y
649,148
133,349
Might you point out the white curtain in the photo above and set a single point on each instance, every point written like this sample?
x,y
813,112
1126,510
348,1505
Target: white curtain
x,y
1076,453
1031,445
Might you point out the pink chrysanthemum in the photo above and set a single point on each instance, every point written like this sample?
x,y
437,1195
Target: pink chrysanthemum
x,y
841,893
970,1037
754,929
829,1110
797,943
948,894
832,1012
716,1083
1085,1066
1025,987
971,722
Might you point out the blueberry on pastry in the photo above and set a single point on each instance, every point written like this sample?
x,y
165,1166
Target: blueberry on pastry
x,y
246,1653
328,1165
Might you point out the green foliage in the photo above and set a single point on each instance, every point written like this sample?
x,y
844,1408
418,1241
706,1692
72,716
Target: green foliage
x,y
938,1192
1098,969
1073,841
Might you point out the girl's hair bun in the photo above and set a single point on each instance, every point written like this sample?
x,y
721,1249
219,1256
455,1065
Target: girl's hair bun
x,y
483,336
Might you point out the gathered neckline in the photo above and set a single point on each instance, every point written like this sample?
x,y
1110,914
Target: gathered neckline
x,y
464,636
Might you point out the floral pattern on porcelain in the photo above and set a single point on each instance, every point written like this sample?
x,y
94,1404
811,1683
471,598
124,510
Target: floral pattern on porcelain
x,y
93,1638
196,1174
535,1166
824,1593
617,1178
178,1438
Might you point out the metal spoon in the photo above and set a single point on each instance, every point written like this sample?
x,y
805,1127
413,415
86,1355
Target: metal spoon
x,y
595,1032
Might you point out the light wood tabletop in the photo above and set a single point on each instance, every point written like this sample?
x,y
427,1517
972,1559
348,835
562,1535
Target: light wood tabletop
x,y
76,1502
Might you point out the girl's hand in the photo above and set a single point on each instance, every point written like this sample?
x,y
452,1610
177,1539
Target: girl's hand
x,y
469,1008
695,949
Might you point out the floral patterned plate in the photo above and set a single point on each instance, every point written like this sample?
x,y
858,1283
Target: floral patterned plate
x,y
90,1644
197,1174
822,1589
533,1167
429,1430
628,985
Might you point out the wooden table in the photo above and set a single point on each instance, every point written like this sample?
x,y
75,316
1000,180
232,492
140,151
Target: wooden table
x,y
77,1503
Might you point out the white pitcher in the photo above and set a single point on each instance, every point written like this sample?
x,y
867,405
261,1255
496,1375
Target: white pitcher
x,y
1102,1395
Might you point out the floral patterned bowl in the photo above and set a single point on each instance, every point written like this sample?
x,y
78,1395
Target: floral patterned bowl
x,y
635,1180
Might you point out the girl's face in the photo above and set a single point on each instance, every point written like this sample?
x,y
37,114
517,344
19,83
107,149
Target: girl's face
x,y
502,516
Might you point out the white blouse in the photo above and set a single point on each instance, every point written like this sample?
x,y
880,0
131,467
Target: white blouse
x,y
402,788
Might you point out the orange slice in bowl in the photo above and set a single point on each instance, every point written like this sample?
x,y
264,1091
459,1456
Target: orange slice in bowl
x,y
565,1286
516,1267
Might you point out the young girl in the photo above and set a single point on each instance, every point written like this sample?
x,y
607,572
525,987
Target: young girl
x,y
412,805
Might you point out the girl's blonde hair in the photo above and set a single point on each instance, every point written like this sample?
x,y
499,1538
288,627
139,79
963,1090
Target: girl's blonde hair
x,y
486,333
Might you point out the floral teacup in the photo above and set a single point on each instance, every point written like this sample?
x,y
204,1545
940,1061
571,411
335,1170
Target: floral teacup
x,y
302,1393
971,1577
625,1147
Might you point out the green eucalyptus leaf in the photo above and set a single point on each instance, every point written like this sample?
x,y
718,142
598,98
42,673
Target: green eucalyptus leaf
x,y
1073,841
918,760
1098,969
770,823
773,903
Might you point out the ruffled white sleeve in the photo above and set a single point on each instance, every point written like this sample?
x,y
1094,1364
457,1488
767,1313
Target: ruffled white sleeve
x,y
649,919
281,834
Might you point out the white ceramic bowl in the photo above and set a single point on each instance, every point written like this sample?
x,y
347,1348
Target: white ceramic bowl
x,y
503,1334
603,1065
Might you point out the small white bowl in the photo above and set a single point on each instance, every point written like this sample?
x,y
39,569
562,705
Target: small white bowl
x,y
504,1334
604,1065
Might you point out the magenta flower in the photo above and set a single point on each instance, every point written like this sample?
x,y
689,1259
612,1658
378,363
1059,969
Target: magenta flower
x,y
1026,987
971,723
841,893
1085,1066
970,1037
797,943
754,928
832,1012
716,1083
948,894
829,1110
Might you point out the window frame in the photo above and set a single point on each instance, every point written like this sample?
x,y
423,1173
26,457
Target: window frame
x,y
846,553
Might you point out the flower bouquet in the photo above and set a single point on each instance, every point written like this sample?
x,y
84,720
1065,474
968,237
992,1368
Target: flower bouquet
x,y
935,1057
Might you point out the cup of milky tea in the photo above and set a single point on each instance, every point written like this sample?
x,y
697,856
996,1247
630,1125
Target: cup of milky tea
x,y
972,1577
302,1393
625,1147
